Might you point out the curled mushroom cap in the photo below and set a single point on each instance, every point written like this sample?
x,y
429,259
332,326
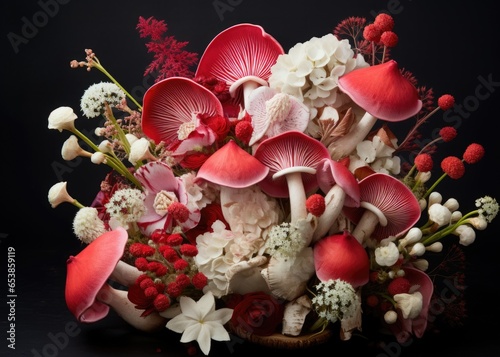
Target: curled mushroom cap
x,y
173,102
88,271
242,56
392,206
231,166
382,91
331,173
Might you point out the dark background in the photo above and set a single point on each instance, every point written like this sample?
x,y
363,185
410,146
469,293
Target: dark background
x,y
451,48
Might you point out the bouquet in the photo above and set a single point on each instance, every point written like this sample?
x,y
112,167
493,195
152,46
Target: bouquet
x,y
261,192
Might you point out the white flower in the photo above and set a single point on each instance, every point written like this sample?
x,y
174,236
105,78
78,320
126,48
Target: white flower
x,y
310,71
87,225
390,317
62,118
59,194
98,158
488,207
71,149
409,304
418,249
466,234
387,255
96,97
199,193
335,300
139,150
249,210
200,321
439,214
126,205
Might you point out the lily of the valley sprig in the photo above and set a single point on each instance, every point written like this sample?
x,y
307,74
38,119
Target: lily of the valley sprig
x,y
260,191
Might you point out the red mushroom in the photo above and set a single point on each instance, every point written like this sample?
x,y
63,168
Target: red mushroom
x,y
387,208
340,256
292,158
174,102
89,296
384,93
242,56
341,189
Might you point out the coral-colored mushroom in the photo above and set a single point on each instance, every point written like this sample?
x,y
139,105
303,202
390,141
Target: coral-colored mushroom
x,y
384,93
242,56
341,256
292,158
89,297
174,102
387,208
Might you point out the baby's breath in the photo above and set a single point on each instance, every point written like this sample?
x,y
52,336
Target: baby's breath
x,y
334,300
126,205
284,241
96,97
488,207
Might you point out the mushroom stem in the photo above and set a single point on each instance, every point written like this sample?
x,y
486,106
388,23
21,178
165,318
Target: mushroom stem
x,y
334,202
347,143
118,300
248,87
297,196
369,220
125,274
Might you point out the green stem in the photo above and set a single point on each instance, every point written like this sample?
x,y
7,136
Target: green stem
x,y
434,185
448,230
85,139
77,204
98,65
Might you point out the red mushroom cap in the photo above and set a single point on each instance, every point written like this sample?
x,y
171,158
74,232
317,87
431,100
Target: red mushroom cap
x,y
290,151
172,102
231,166
341,256
330,173
382,91
393,198
243,51
88,271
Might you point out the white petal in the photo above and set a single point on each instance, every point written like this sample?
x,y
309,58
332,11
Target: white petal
x,y
191,333
204,338
205,305
218,332
180,323
221,316
190,308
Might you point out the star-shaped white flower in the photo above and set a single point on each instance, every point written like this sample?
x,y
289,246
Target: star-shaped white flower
x,y
200,321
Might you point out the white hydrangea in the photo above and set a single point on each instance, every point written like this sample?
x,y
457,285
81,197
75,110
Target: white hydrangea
x,y
200,193
211,259
387,255
310,71
249,210
97,95
87,225
376,154
335,300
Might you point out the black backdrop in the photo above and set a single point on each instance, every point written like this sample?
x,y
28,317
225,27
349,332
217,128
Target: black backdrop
x,y
451,48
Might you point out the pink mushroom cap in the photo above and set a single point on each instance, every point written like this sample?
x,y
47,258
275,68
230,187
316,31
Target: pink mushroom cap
x,y
231,166
172,102
88,271
291,151
241,52
392,198
330,173
382,91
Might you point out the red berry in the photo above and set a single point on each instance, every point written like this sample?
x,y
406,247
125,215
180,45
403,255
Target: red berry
x,y
446,102
399,285
453,167
423,162
473,153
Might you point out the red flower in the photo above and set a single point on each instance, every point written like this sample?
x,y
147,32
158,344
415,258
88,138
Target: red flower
x,y
448,133
453,167
194,160
473,153
257,313
423,162
446,102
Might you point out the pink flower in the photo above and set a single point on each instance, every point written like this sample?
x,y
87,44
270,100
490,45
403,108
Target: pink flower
x,y
162,188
